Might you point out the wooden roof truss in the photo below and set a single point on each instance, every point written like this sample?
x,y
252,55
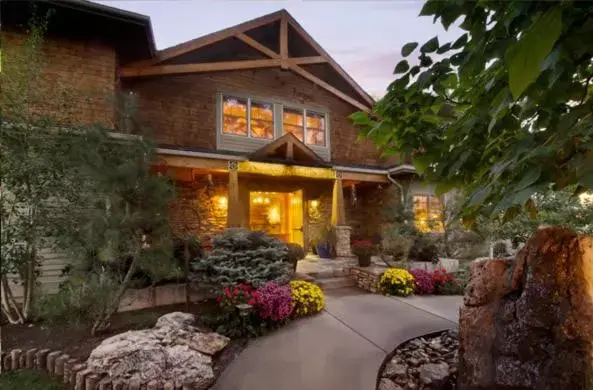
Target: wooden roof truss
x,y
156,66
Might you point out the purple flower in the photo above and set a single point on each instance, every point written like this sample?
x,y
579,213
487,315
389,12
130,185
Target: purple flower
x,y
274,302
424,283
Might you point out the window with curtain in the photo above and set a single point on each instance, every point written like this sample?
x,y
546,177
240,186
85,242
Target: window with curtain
x,y
262,120
428,213
293,122
234,116
315,128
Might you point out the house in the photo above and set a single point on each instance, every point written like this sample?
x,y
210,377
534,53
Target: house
x,y
251,121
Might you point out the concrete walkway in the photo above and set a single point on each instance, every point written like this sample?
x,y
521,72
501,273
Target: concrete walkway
x,y
341,348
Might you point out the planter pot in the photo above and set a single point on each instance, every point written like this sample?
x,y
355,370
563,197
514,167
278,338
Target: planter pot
x,y
364,260
323,250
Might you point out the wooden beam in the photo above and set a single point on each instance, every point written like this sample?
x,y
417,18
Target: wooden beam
x,y
290,150
256,45
306,60
192,162
301,31
361,106
194,44
364,177
284,42
156,70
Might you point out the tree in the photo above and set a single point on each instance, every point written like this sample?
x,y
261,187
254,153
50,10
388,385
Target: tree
x,y
77,188
504,112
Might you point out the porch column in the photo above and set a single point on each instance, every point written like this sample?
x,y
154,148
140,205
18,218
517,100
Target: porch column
x,y
338,219
234,205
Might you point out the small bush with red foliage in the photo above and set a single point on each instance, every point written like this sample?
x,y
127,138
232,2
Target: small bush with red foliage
x,y
444,282
423,281
235,295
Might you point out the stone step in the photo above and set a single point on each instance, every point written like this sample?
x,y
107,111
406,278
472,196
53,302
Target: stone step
x,y
335,283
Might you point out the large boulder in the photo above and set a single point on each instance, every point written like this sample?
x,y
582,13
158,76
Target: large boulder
x,y
528,323
174,350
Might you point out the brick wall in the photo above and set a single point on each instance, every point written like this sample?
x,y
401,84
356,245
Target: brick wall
x,y
181,110
368,212
77,80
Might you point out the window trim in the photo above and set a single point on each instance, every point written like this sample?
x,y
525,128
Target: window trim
x,y
278,106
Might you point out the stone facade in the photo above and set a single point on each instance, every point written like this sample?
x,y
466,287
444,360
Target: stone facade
x,y
367,278
365,210
343,248
527,323
77,83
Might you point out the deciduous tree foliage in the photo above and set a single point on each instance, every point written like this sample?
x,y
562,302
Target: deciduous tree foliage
x,y
505,111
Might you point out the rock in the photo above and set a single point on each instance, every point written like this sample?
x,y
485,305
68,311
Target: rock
x,y
393,370
177,320
413,362
488,282
431,374
173,351
386,384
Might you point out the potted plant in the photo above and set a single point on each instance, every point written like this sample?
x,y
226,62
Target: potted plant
x,y
363,249
321,244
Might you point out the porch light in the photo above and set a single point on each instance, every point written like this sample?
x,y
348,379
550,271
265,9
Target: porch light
x,y
222,202
314,203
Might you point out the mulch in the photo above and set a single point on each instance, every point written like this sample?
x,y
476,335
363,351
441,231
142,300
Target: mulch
x,y
76,339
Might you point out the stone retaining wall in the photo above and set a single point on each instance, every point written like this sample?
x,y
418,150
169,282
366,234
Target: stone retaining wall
x,y
72,372
367,278
168,294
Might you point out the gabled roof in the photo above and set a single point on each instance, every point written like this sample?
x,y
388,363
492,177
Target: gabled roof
x,y
288,148
273,40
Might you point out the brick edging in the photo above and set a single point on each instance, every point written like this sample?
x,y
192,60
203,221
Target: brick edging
x,y
70,371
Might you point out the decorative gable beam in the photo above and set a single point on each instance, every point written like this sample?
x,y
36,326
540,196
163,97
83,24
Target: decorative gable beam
x,y
284,42
256,45
298,70
157,70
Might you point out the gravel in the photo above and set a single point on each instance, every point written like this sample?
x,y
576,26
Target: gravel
x,y
424,363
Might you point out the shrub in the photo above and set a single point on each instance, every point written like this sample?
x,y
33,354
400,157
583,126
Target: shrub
x,y
242,256
397,281
424,249
295,253
423,282
446,284
307,298
231,321
274,302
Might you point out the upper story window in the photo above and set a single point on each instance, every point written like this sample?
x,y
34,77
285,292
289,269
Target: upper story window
x,y
428,213
247,117
308,126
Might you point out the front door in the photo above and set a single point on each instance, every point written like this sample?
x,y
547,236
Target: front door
x,y
277,213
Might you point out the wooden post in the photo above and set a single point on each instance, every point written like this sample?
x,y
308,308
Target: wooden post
x,y
338,212
234,203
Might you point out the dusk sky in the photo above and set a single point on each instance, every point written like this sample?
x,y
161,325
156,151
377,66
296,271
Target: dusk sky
x,y
364,37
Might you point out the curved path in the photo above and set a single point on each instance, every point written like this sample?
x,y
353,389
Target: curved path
x,y
342,348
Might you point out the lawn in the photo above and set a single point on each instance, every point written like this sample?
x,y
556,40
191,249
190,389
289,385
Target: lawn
x,y
29,380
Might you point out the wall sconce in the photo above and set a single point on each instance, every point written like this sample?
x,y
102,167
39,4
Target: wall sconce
x,y
222,202
314,203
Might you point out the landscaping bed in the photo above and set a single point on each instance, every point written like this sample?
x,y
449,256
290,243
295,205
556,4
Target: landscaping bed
x,y
29,380
76,341
427,362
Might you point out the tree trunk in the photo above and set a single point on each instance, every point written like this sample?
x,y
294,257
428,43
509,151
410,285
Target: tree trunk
x,y
102,322
9,304
29,284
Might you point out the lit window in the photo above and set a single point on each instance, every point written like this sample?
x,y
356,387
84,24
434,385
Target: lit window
x,y
315,128
293,122
428,213
262,120
234,116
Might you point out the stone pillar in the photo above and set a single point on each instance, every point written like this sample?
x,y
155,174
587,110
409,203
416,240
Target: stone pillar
x,y
338,219
234,211
528,322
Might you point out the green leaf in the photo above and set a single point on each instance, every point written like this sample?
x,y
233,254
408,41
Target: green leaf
x,y
415,69
401,67
421,163
529,178
446,47
430,46
425,60
460,42
525,57
408,48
